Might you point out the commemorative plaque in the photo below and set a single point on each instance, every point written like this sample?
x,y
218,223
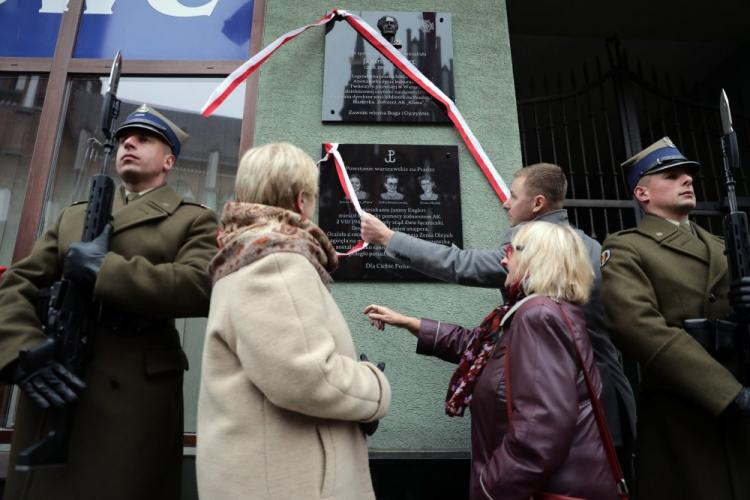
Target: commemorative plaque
x,y
362,85
413,189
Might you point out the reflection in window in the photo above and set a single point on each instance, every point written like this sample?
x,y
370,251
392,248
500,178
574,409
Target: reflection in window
x,y
204,172
21,98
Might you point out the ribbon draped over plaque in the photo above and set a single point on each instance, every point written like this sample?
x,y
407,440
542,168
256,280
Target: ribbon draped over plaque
x,y
332,149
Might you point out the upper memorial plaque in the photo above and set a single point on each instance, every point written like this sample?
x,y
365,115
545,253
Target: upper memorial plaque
x,y
362,85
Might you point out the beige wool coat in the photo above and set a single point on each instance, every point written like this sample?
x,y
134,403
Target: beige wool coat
x,y
281,390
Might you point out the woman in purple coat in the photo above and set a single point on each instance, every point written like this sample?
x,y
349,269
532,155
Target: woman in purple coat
x,y
552,442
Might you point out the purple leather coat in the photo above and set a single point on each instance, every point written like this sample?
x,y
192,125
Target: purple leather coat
x,y
553,444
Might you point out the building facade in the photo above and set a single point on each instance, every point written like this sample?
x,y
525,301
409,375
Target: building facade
x,y
570,94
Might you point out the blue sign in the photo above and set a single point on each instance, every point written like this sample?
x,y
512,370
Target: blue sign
x,y
142,29
24,32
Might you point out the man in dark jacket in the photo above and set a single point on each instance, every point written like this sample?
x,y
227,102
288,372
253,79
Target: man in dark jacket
x,y
537,193
126,439
694,415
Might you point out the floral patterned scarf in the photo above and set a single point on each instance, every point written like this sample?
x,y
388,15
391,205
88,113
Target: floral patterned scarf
x,y
250,231
475,356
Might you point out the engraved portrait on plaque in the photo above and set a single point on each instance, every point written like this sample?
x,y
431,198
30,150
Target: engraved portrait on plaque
x,y
362,85
388,26
413,189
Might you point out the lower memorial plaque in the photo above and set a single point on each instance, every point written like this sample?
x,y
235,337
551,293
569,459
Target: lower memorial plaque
x,y
413,189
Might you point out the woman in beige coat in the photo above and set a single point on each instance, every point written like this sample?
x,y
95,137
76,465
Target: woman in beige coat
x,y
281,393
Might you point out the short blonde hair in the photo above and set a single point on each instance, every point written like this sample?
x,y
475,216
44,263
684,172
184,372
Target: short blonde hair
x,y
551,259
274,174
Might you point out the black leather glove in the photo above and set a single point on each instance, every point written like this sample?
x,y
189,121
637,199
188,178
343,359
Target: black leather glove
x,y
51,385
84,259
369,428
739,295
380,364
742,402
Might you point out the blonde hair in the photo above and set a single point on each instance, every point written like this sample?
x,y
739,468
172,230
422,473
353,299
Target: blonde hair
x,y
274,174
551,259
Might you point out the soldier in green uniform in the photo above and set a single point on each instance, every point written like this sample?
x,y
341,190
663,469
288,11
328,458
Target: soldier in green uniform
x,y
693,426
126,440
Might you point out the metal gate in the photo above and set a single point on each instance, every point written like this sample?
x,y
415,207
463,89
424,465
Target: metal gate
x,y
594,118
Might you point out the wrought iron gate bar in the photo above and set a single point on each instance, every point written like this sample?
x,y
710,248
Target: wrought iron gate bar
x,y
589,203
563,96
571,171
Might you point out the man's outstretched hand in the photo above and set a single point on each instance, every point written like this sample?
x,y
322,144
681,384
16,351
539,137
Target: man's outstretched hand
x,y
374,230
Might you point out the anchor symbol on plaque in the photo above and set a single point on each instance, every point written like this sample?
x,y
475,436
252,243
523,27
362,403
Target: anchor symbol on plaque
x,y
391,158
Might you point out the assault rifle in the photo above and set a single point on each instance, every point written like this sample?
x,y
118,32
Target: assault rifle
x,y
735,230
71,306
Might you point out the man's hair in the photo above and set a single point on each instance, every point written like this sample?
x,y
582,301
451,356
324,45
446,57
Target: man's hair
x,y
274,174
645,181
391,176
551,259
546,179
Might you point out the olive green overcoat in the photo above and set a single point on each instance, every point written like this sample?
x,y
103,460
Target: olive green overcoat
x,y
126,440
654,277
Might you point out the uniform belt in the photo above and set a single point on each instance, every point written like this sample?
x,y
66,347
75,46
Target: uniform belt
x,y
120,321
718,337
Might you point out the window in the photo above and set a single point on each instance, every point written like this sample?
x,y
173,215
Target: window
x,y
21,98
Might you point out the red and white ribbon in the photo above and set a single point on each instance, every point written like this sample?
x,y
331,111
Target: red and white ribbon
x,y
389,51
332,149
249,67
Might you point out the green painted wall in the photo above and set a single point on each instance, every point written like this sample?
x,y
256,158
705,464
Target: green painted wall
x,y
291,86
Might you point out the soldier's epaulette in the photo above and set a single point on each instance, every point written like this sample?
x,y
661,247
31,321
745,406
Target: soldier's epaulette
x,y
196,204
718,238
625,231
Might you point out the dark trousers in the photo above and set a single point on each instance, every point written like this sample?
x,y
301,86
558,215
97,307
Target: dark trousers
x,y
626,453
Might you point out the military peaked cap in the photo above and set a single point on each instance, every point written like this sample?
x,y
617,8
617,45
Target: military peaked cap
x,y
661,155
147,118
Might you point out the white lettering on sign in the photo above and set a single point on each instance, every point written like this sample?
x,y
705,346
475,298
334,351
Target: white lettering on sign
x,y
54,6
172,8
99,6
175,9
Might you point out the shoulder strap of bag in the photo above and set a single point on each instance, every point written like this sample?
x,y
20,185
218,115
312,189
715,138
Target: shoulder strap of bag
x,y
609,447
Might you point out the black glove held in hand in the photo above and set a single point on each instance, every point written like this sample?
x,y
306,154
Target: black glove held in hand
x,y
742,401
83,260
369,428
739,295
380,364
51,385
